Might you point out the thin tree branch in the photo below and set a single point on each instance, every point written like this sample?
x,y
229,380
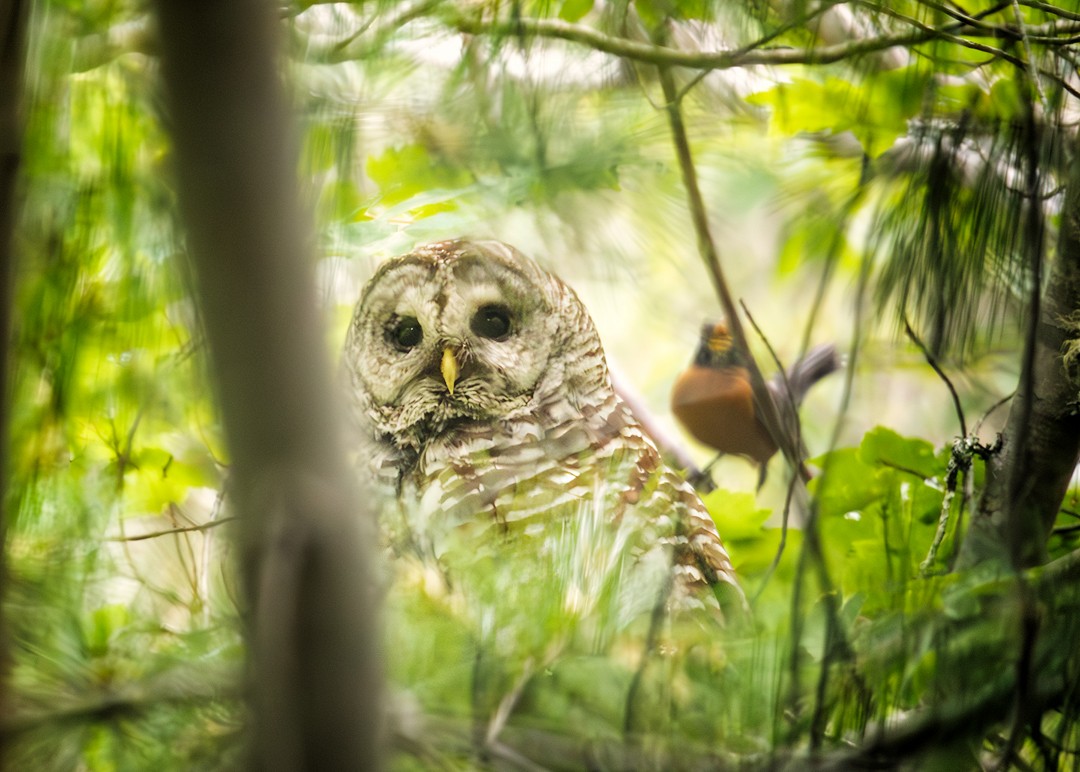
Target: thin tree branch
x,y
966,22
764,404
792,429
932,361
170,531
742,57
1053,10
768,412
1030,64
344,50
799,474
990,411
648,53
996,31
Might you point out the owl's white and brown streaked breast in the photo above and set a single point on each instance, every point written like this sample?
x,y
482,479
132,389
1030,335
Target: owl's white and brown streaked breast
x,y
511,449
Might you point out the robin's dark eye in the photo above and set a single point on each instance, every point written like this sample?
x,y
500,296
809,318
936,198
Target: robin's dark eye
x,y
492,322
405,333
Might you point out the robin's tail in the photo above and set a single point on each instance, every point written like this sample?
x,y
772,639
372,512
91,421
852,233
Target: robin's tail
x,y
818,362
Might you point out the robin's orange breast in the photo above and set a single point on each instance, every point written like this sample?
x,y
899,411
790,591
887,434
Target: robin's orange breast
x,y
717,408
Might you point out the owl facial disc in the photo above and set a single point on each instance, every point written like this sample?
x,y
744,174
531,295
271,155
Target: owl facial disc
x,y
462,331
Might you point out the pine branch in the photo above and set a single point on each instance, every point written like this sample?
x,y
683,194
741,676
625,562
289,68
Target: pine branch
x,y
187,684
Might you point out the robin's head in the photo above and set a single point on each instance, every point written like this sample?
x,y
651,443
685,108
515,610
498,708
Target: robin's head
x,y
716,348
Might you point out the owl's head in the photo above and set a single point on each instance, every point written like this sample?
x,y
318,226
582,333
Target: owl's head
x,y
461,332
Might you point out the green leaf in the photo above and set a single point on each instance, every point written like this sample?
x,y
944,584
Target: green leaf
x,y
573,10
403,172
876,112
102,627
752,558
849,484
424,211
1006,100
736,514
157,479
653,13
884,447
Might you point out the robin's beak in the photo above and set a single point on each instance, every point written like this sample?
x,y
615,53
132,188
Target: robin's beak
x,y
449,368
719,339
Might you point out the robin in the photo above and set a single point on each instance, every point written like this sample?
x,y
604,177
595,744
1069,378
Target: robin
x,y
714,401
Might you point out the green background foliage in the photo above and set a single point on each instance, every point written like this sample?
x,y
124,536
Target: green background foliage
x,y
123,605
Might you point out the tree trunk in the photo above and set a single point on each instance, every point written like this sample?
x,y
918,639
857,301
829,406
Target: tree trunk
x,y
306,543
1027,480
13,17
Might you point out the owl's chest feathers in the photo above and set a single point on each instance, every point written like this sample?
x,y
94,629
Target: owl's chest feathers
x,y
520,466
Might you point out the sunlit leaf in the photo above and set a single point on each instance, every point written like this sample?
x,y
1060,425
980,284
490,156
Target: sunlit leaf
x,y
573,10
884,447
403,172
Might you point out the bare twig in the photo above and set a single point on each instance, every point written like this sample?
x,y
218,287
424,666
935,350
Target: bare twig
x,y
764,402
506,705
170,531
812,549
811,525
799,474
785,519
789,413
341,49
1050,8
990,410
932,361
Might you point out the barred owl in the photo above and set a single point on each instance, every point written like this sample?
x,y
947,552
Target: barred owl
x,y
485,406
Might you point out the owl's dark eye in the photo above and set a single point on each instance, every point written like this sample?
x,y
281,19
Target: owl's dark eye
x,y
405,333
492,322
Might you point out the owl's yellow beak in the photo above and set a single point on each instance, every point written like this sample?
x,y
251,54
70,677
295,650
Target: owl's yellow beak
x,y
449,369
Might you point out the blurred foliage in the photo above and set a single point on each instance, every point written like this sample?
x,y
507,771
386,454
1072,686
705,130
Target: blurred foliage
x,y
908,162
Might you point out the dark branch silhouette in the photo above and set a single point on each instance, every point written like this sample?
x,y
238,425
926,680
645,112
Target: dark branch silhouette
x,y
314,680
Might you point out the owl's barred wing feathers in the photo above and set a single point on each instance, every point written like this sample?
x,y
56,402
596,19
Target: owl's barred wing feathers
x,y
609,458
522,429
